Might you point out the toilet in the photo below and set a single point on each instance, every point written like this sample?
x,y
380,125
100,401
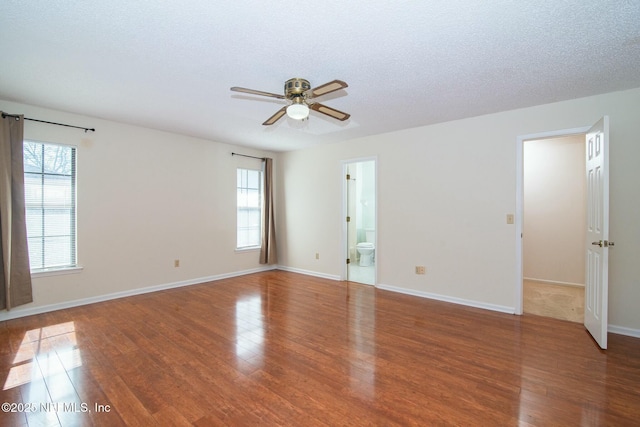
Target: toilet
x,y
366,249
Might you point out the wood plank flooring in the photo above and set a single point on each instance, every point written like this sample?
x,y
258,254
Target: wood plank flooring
x,y
279,348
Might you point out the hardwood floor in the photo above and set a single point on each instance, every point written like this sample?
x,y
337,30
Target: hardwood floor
x,y
279,348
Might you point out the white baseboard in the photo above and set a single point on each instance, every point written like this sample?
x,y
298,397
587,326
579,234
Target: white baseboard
x,y
454,300
29,311
613,329
555,282
23,312
309,273
621,330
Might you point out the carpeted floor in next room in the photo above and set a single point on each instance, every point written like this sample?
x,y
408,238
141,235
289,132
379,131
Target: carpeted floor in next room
x,y
551,300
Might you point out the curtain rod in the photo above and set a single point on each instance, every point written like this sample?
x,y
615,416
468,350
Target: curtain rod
x,y
51,123
244,155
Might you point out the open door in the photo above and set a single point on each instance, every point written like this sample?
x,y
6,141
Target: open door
x,y
359,228
350,218
596,293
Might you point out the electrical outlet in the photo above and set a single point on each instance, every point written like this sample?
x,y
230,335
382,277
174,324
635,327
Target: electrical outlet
x,y
317,255
176,263
510,218
420,269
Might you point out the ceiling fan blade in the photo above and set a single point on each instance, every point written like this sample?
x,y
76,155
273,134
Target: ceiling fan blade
x,y
271,120
331,112
326,88
256,92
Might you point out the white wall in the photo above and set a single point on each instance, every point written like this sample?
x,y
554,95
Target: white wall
x,y
443,194
145,198
555,200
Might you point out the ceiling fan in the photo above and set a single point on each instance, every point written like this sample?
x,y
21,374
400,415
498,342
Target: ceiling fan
x,y
299,92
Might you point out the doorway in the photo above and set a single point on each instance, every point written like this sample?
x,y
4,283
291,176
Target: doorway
x,y
360,221
519,219
554,224
596,242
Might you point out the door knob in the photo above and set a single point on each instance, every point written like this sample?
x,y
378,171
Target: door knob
x,y
603,243
598,243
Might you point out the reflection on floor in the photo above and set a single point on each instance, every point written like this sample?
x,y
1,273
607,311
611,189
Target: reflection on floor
x,y
279,348
557,301
366,275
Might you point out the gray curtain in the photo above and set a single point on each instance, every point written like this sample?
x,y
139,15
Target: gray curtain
x,y
268,252
15,274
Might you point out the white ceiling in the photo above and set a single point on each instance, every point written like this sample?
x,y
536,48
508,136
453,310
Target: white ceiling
x,y
169,64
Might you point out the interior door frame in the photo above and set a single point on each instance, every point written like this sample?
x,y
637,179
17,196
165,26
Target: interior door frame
x,y
344,249
520,201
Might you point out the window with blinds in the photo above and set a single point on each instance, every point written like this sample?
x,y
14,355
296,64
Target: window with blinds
x,y
249,203
50,196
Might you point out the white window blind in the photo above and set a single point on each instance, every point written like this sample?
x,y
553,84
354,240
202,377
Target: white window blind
x,y
50,196
249,202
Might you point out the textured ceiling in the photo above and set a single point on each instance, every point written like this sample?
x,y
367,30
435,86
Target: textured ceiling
x,y
169,65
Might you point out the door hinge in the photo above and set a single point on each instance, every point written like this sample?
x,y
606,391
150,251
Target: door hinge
x,y
348,219
348,261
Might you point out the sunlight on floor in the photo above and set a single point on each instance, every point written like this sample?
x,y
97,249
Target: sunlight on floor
x,y
32,361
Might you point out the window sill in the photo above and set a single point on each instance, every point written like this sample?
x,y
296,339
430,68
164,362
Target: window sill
x,y
56,272
248,249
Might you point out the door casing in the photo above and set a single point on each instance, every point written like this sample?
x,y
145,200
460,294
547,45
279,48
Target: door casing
x,y
520,201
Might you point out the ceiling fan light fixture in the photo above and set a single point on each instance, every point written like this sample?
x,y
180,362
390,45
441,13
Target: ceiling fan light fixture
x,y
298,91
298,111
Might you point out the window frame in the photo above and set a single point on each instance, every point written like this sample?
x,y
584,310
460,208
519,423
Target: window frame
x,y
259,208
73,266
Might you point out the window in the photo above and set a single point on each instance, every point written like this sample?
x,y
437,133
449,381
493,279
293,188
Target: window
x,y
50,201
249,200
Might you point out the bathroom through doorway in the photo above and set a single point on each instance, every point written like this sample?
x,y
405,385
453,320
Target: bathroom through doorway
x,y
360,225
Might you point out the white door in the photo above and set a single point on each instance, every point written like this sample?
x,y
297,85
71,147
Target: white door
x,y
596,293
351,221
